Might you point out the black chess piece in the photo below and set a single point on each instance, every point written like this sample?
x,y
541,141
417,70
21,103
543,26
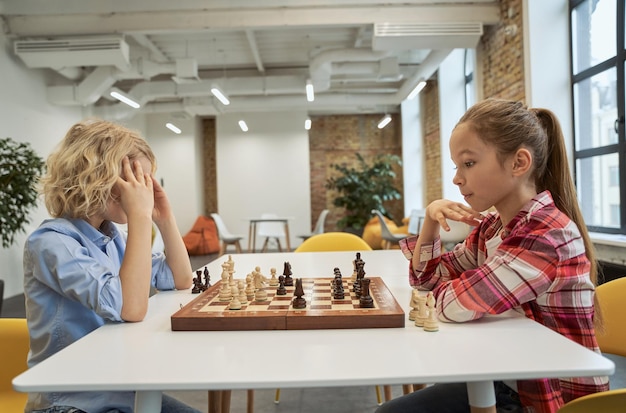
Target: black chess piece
x,y
338,292
281,290
366,300
287,273
299,302
207,278
197,283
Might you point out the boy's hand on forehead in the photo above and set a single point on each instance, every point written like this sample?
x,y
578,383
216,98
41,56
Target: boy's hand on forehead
x,y
136,188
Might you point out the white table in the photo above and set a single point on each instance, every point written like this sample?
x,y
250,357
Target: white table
x,y
253,227
141,355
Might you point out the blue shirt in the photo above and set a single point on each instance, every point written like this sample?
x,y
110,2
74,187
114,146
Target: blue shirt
x,y
72,286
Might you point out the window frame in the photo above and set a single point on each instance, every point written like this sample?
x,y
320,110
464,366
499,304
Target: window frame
x,y
618,61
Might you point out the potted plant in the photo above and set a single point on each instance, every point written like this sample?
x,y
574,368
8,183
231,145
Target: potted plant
x,y
20,167
364,188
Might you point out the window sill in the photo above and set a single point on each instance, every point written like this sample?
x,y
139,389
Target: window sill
x,y
615,240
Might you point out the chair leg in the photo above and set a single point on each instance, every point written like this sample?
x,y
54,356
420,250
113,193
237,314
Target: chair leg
x,y
226,401
215,401
417,387
277,396
280,248
238,247
407,388
250,403
387,390
264,249
379,398
222,248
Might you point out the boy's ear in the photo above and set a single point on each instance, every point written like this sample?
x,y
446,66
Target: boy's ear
x,y
522,161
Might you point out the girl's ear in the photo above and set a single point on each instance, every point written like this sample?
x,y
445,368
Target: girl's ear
x,y
522,161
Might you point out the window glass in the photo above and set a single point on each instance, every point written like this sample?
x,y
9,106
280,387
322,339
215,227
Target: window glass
x,y
597,195
594,36
470,96
595,110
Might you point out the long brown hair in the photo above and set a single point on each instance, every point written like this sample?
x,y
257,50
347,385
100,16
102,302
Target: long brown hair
x,y
508,126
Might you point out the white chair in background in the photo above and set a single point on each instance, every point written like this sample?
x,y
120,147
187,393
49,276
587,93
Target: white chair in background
x,y
458,232
225,236
389,238
416,218
319,225
271,231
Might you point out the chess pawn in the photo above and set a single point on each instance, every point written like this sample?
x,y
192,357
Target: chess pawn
x,y
243,298
413,305
281,286
273,280
422,312
249,288
235,304
260,295
431,323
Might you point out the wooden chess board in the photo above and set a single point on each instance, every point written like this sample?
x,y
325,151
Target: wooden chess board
x,y
322,311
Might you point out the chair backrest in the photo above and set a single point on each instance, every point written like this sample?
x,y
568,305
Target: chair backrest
x,y
612,298
14,346
458,232
271,229
321,220
222,231
415,221
334,241
385,232
611,401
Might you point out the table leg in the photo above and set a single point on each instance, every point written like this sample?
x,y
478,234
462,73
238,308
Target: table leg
x,y
250,237
148,401
226,401
215,401
482,397
287,236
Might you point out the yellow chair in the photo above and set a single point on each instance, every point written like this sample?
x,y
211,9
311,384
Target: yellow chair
x,y
611,339
14,346
333,241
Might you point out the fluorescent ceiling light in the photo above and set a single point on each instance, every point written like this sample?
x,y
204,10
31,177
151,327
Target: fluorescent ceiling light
x,y
307,124
418,88
221,96
384,121
124,98
173,128
243,126
310,94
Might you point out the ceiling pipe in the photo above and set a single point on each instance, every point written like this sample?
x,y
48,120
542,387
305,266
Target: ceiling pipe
x,y
321,66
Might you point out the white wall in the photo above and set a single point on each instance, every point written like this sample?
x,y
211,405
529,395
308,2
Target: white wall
x,y
451,80
179,163
26,117
412,156
264,170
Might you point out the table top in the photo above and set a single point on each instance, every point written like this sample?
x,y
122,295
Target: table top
x,y
149,356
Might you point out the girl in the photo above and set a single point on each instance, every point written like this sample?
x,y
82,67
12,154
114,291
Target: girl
x,y
533,254
79,271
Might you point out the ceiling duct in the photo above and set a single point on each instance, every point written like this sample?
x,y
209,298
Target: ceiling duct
x,y
58,53
407,36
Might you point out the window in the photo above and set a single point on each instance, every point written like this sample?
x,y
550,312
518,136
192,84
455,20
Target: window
x,y
470,62
598,89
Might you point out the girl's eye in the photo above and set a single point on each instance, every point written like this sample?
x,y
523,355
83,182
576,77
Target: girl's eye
x,y
469,164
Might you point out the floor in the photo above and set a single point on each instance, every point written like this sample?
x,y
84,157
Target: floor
x,y
329,400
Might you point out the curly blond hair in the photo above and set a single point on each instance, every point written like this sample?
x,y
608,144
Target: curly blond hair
x,y
83,169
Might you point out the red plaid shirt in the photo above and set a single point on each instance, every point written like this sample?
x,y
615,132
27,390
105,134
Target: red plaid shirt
x,y
538,266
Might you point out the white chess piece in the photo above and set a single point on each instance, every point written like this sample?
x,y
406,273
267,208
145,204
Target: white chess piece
x,y
273,280
422,311
235,304
243,298
431,323
225,294
414,305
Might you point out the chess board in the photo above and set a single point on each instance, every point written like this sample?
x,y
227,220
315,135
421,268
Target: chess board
x,y
322,311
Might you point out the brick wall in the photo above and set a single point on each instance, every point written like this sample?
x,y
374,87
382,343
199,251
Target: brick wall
x,y
210,166
335,140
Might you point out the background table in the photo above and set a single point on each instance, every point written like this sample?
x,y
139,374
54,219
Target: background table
x,y
253,229
148,357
